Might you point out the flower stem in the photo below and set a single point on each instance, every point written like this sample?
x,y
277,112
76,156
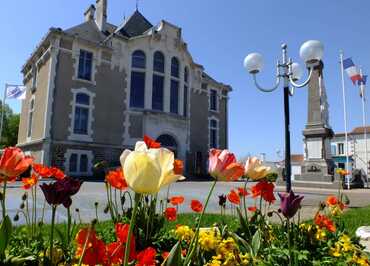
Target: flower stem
x,y
3,200
196,235
69,222
53,212
131,229
289,243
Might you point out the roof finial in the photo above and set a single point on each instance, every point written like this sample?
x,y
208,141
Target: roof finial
x,y
137,5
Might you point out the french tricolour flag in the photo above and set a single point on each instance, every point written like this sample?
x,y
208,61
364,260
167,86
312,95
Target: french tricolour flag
x,y
351,70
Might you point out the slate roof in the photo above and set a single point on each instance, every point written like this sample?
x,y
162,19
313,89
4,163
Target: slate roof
x,y
135,25
88,31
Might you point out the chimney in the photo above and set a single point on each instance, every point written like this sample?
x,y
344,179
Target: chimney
x,y
101,14
90,13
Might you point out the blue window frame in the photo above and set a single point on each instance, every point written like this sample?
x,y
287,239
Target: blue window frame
x,y
157,96
175,67
137,89
174,97
138,59
85,65
158,63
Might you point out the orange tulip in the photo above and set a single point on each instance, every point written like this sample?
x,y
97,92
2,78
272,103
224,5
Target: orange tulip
x,y
13,163
332,201
233,197
116,179
178,167
29,182
223,165
252,208
42,170
177,200
324,222
242,192
57,173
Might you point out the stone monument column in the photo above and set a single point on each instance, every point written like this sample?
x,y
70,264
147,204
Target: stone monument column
x,y
318,165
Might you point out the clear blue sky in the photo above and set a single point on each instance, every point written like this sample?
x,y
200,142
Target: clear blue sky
x,y
220,34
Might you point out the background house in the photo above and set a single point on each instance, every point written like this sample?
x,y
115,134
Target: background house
x,y
96,88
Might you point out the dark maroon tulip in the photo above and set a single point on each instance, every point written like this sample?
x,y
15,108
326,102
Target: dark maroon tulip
x,y
60,192
290,203
222,200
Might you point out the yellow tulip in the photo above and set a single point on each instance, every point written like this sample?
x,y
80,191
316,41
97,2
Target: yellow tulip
x,y
148,170
255,170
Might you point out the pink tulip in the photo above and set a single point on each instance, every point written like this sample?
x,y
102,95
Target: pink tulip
x,y
223,165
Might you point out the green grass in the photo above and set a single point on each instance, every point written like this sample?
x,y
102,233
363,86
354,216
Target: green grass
x,y
356,217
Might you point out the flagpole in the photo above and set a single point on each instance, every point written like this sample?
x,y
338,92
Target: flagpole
x,y
2,112
363,93
345,119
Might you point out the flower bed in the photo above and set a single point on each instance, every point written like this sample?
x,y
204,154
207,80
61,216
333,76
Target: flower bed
x,y
139,235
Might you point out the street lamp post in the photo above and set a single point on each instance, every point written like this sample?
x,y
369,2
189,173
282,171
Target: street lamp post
x,y
311,52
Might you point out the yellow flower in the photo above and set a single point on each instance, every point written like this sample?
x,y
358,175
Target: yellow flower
x,y
147,170
216,261
255,170
184,232
320,234
209,239
226,246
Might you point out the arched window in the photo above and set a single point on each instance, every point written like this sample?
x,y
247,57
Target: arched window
x,y
168,142
175,67
158,62
137,88
138,59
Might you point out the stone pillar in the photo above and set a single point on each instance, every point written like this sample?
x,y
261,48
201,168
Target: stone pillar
x,y
318,164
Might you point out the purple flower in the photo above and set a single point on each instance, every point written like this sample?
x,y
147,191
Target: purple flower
x,y
289,203
60,192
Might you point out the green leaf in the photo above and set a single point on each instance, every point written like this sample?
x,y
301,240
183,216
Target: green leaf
x,y
174,258
243,243
242,221
256,242
5,233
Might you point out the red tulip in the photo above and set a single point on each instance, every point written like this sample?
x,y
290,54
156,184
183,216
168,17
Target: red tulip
x,y
146,257
13,163
116,179
170,214
265,190
223,165
233,197
151,143
196,206
177,200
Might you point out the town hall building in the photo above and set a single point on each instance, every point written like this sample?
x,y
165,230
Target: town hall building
x,y
97,88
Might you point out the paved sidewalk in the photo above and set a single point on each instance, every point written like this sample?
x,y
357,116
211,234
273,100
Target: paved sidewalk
x,y
92,192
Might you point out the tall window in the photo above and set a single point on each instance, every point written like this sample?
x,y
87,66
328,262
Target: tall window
x,y
30,118
174,104
81,117
175,67
213,133
137,90
213,100
158,63
186,86
158,81
85,65
340,148
174,93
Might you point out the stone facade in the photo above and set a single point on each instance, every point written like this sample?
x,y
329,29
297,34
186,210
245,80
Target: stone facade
x,y
52,76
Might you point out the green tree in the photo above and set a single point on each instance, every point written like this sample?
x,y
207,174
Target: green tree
x,y
10,127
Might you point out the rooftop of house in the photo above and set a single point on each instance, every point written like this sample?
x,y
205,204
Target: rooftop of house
x,y
355,131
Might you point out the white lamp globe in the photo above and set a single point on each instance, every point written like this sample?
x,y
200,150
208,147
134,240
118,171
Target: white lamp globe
x,y
253,63
311,51
296,71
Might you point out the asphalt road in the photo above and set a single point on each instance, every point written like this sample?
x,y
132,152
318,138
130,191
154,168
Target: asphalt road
x,y
92,192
